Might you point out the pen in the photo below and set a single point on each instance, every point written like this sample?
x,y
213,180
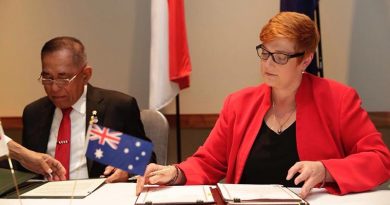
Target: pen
x,y
161,171
133,178
50,175
37,180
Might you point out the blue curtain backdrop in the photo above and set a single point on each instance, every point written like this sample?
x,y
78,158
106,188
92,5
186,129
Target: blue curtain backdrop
x,y
306,7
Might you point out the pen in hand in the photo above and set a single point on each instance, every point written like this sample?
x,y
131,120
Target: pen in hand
x,y
158,175
161,171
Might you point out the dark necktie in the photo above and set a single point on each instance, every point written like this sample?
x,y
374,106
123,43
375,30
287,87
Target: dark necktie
x,y
62,153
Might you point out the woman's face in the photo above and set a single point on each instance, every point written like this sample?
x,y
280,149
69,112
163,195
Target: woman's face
x,y
282,76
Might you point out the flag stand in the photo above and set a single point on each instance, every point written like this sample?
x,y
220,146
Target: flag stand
x,y
178,129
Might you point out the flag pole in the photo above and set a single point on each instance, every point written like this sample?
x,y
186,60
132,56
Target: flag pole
x,y
320,60
178,129
14,179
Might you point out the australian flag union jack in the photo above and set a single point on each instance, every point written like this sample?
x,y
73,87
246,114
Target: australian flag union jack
x,y
117,149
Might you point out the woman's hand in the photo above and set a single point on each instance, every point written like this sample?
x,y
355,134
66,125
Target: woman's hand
x,y
310,172
156,174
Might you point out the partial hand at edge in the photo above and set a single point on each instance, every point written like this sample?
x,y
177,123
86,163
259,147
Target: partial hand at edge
x,y
36,162
115,175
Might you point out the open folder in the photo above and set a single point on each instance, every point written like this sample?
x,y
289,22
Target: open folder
x,y
65,189
258,194
220,194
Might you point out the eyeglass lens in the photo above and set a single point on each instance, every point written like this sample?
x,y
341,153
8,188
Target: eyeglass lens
x,y
279,58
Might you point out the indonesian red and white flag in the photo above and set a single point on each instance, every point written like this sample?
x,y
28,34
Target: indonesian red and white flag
x,y
170,64
3,143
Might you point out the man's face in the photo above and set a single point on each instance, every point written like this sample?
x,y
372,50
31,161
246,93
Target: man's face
x,y
59,65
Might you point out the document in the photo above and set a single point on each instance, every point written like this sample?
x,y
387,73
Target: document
x,y
65,189
190,194
258,194
120,193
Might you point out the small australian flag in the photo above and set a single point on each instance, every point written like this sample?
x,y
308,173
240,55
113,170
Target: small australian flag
x,y
119,150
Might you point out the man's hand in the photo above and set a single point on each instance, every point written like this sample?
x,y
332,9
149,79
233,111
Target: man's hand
x,y
311,173
37,162
115,175
44,164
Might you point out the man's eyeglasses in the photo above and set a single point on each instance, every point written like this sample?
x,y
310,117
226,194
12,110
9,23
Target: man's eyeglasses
x,y
279,58
60,82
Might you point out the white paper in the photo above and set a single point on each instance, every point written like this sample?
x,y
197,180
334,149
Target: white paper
x,y
113,194
190,194
256,192
65,189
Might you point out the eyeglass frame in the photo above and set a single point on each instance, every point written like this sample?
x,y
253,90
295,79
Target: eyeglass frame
x,y
261,46
67,80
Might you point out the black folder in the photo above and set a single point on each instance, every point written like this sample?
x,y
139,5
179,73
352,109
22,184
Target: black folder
x,y
7,186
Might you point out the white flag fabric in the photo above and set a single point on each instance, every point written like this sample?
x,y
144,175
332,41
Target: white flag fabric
x,y
3,143
162,90
170,64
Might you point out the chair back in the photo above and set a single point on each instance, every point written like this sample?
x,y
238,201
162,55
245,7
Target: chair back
x,y
157,128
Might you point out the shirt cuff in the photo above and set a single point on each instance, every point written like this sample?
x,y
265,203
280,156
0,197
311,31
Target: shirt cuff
x,y
6,139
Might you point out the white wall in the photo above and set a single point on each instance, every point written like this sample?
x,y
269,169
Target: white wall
x,y
116,35
222,38
369,53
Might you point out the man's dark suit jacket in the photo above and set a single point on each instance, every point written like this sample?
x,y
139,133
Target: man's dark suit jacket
x,y
114,110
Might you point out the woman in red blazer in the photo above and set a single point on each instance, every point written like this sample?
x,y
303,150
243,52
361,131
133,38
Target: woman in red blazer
x,y
294,129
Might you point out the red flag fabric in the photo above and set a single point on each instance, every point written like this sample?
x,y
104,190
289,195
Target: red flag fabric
x,y
170,64
179,55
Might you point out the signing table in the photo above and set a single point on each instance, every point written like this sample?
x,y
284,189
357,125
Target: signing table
x,y
124,194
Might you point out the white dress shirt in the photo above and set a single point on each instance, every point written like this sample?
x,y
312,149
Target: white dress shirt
x,y
78,162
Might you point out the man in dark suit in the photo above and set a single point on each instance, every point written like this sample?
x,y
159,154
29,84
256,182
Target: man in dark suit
x,y
65,75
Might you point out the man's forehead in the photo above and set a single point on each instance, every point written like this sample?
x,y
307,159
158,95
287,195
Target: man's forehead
x,y
59,59
57,71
